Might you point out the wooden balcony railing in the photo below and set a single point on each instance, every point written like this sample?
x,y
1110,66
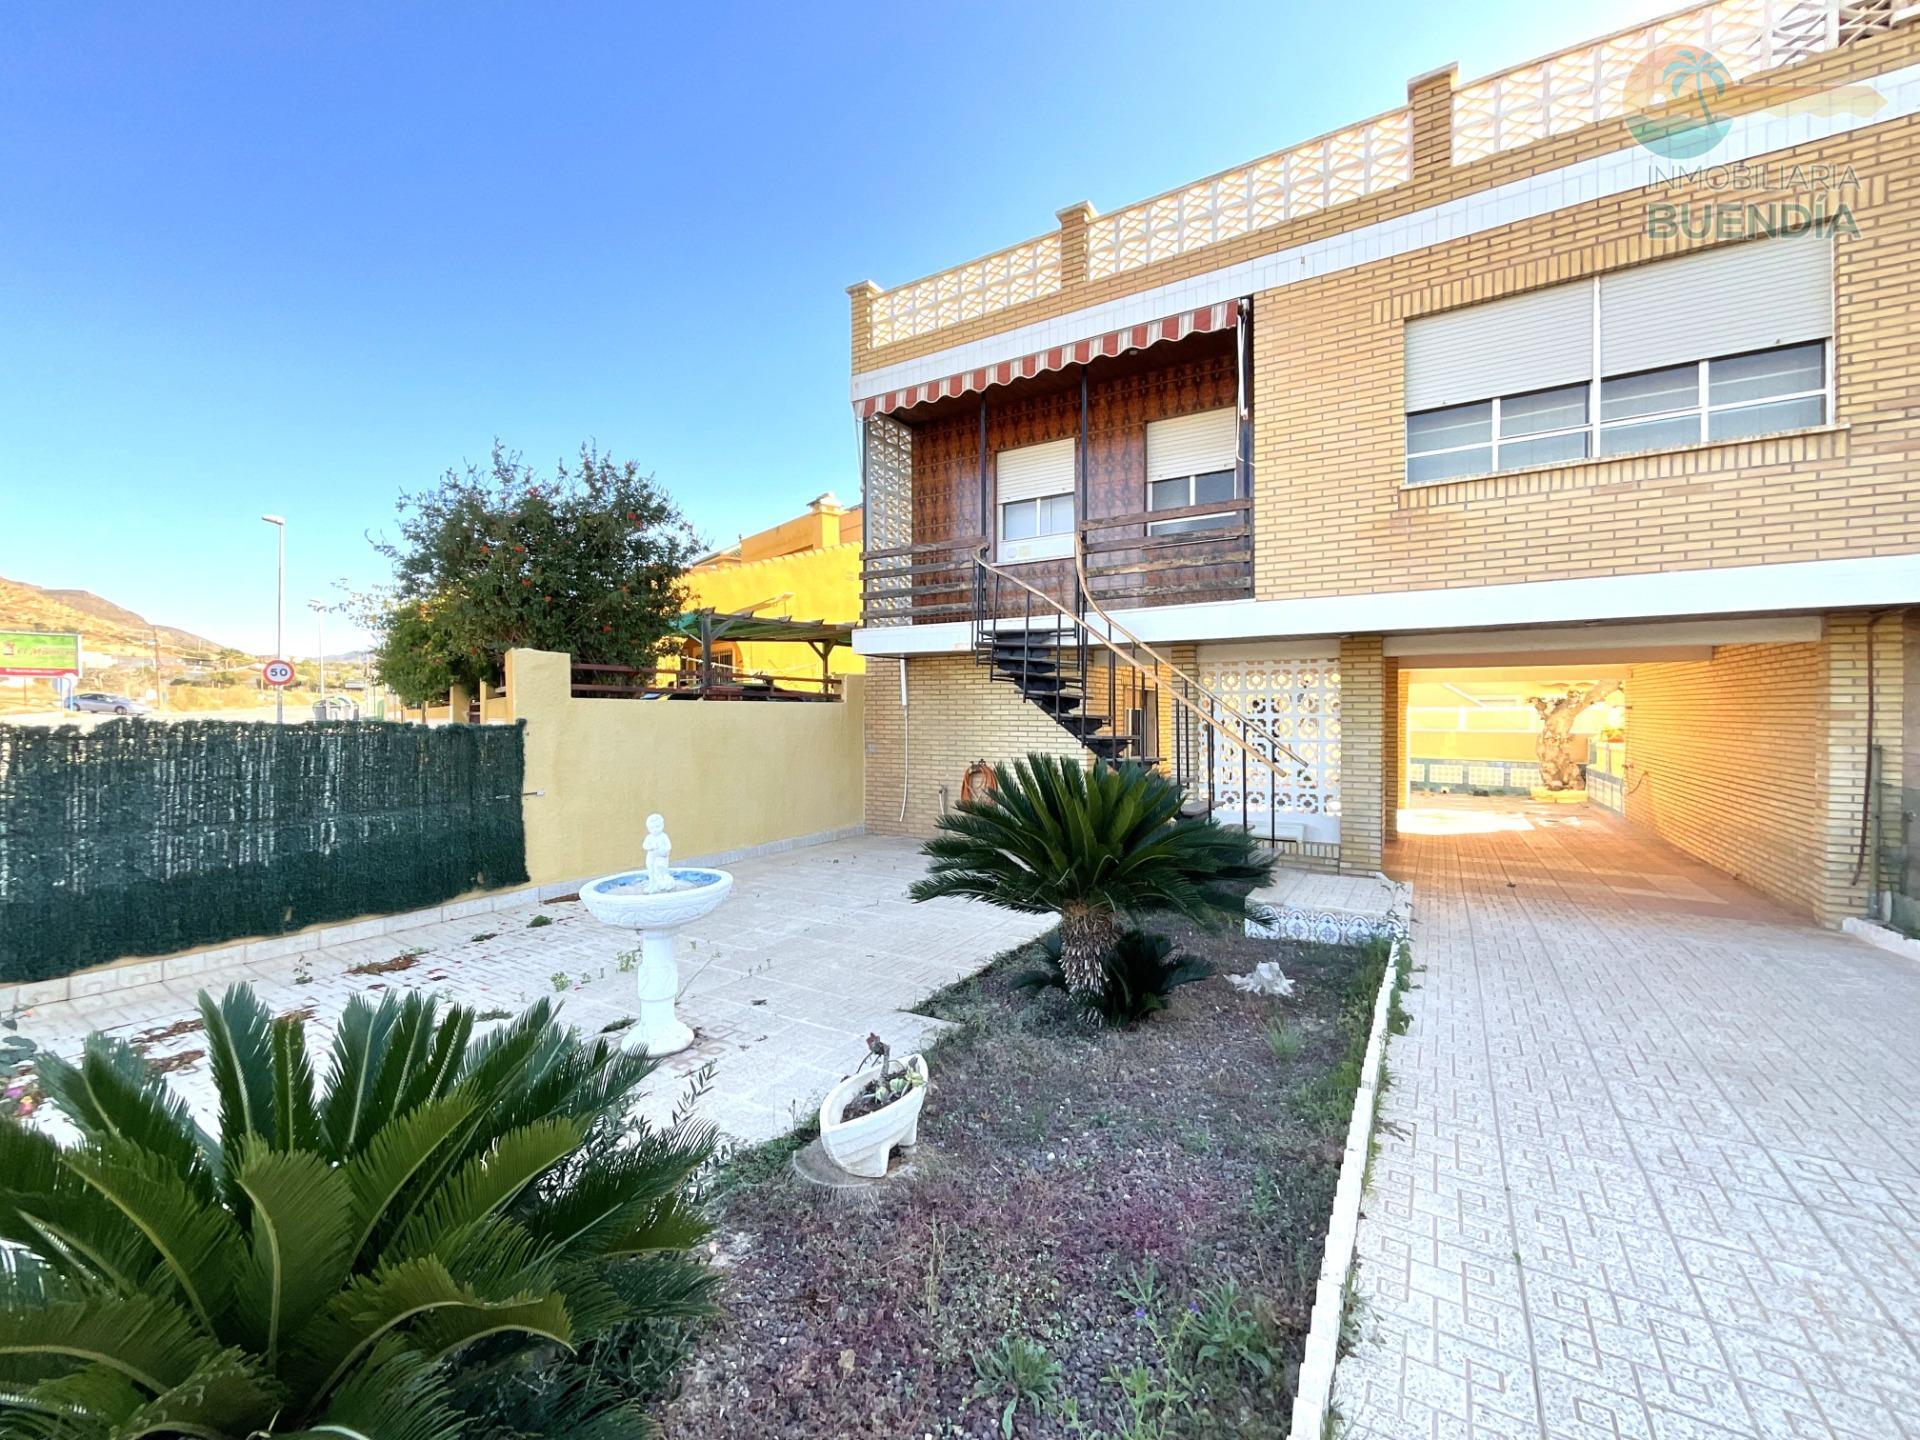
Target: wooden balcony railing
x,y
933,582
626,682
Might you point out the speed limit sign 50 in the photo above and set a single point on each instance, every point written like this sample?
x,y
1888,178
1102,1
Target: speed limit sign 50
x,y
277,673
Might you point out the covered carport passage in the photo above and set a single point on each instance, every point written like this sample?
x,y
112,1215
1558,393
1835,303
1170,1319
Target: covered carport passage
x,y
1758,745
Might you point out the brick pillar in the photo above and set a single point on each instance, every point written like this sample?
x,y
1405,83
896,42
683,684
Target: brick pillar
x,y
1073,242
861,296
885,737
1841,763
1363,723
1430,97
1393,737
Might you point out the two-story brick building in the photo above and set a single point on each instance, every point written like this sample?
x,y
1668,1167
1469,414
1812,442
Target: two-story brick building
x,y
1545,370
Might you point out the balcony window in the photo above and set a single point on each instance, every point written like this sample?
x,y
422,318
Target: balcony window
x,y
1035,494
1193,460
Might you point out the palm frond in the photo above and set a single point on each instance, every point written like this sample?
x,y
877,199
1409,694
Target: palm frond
x,y
152,1343
226,1395
196,1242
391,1161
50,1212
347,1117
113,1094
300,1253
490,1182
296,1117
396,1395
239,1030
372,1309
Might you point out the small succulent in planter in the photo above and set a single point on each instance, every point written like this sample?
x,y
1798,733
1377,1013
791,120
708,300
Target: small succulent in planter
x,y
866,1115
889,1085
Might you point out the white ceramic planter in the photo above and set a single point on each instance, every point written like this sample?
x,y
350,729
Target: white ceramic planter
x,y
861,1146
619,900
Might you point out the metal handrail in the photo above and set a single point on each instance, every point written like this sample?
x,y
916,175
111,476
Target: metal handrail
x,y
1080,572
1212,722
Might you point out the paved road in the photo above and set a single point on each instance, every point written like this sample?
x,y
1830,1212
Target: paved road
x,y
1650,1167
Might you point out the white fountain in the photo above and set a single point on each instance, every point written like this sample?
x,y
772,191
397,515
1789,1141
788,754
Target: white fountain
x,y
656,901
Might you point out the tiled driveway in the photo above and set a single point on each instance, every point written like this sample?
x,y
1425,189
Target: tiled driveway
x,y
1651,1163
815,948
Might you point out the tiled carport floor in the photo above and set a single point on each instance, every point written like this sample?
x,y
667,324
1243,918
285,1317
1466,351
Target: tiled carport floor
x,y
1650,1165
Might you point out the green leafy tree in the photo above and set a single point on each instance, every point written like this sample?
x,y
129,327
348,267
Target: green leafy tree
x,y
1092,846
588,562
316,1267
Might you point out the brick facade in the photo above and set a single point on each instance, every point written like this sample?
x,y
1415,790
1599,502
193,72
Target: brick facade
x,y
1754,761
954,716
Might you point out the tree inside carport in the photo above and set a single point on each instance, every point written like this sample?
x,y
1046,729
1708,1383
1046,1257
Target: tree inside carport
x,y
1558,769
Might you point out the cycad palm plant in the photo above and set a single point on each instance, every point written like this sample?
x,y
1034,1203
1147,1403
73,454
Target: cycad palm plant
x,y
1092,846
313,1268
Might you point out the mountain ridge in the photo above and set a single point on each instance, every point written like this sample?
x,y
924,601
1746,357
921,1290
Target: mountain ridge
x,y
104,626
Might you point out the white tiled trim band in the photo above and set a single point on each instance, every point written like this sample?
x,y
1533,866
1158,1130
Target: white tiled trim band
x,y
1809,585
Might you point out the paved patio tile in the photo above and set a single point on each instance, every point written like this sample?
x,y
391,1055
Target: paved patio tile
x,y
1649,1167
815,948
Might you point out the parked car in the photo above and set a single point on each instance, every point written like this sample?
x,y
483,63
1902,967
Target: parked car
x,y
99,702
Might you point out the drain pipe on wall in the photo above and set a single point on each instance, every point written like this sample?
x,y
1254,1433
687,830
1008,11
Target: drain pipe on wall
x,y
904,782
1866,786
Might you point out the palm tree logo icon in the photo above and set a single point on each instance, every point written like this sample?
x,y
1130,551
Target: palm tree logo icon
x,y
1674,92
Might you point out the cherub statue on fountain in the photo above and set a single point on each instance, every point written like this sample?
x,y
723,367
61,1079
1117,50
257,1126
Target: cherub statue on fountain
x,y
659,849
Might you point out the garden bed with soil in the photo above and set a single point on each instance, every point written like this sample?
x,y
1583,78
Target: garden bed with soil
x,y
1106,1233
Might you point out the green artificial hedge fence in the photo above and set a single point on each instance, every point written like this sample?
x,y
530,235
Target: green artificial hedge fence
x,y
141,837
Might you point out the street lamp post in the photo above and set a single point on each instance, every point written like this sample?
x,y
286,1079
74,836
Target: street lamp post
x,y
279,523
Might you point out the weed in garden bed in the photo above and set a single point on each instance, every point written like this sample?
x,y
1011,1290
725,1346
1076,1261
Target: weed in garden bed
x,y
1017,1369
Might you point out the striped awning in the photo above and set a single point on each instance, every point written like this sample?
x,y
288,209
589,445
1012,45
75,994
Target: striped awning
x,y
1115,342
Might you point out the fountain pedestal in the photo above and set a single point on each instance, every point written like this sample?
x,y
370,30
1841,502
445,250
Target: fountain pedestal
x,y
656,902
658,1031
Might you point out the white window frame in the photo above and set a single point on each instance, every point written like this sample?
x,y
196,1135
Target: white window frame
x,y
1596,428
1052,545
1704,408
1594,425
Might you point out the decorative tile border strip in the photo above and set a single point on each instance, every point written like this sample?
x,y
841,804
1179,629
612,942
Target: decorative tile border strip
x,y
135,971
1313,1392
1333,924
1512,777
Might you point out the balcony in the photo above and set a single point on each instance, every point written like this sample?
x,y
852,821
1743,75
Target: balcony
x,y
941,481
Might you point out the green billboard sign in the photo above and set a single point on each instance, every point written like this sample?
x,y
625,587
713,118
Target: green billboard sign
x,y
38,652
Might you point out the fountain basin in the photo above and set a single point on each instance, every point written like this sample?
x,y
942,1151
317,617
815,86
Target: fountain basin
x,y
625,901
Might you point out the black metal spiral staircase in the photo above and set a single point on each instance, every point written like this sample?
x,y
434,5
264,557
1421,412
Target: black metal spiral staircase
x,y
1101,684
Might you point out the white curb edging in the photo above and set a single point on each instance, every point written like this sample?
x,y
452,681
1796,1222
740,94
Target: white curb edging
x,y
1313,1395
1884,936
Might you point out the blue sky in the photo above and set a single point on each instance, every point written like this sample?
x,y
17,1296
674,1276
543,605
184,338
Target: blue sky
x,y
300,257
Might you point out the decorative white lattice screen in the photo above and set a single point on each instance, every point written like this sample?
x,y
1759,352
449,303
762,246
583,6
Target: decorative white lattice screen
x,y
887,512
1294,697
